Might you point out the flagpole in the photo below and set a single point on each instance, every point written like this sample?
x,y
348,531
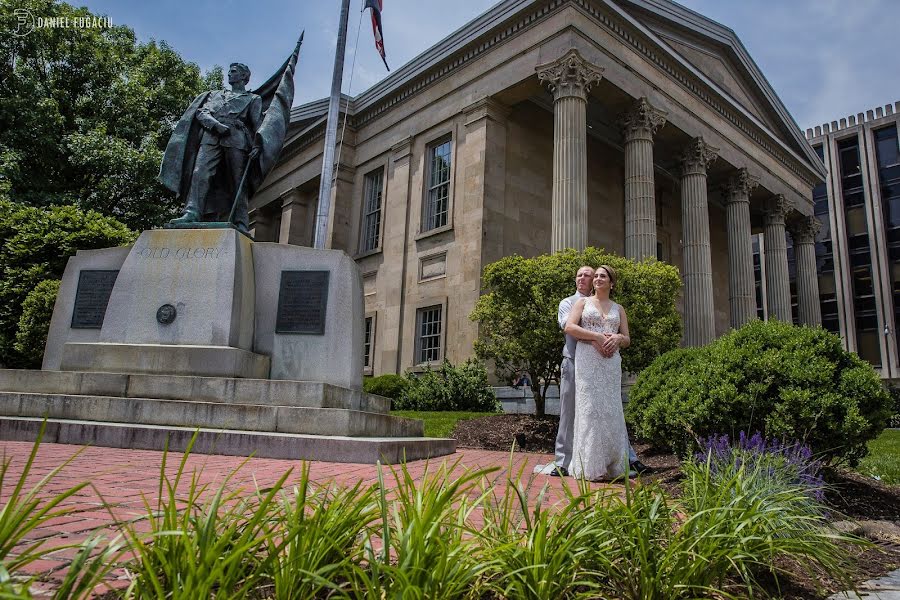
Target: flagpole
x,y
337,77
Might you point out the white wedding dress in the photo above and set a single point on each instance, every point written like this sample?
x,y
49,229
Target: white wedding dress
x,y
600,440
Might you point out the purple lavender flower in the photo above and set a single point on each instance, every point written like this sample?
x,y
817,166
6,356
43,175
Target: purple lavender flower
x,y
790,462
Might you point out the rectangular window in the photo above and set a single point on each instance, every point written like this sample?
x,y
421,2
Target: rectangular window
x,y
859,245
373,186
437,194
367,344
887,151
428,334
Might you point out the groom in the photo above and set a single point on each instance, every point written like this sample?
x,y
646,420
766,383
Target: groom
x,y
584,281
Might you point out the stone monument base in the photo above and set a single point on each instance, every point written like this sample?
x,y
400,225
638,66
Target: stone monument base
x,y
205,361
232,416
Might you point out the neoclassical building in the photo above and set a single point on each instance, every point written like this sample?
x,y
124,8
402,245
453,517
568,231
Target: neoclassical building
x,y
857,235
638,126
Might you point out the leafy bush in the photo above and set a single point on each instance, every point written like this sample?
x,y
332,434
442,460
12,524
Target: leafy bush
x,y
34,323
389,385
517,314
894,391
788,382
462,388
35,245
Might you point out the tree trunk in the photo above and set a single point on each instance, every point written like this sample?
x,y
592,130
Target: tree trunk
x,y
538,398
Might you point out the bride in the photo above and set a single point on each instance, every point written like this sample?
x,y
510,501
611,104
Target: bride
x,y
600,440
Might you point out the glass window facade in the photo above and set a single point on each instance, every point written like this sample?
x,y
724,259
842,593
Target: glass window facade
x,y
428,334
373,187
887,152
824,257
859,247
437,196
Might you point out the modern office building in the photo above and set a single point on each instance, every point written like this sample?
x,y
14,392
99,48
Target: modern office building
x,y
858,240
638,126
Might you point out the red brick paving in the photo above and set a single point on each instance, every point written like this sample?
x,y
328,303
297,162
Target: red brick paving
x,y
122,480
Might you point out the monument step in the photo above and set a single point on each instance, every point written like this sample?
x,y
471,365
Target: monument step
x,y
226,390
251,417
164,359
228,442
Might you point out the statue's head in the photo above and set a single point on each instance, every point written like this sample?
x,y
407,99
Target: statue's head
x,y
238,73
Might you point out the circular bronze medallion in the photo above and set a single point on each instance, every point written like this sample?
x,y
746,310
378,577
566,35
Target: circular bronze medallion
x,y
166,314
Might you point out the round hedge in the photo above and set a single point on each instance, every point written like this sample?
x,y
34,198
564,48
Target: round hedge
x,y
788,382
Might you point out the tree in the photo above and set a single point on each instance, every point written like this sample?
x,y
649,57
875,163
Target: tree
x,y
517,316
85,114
37,245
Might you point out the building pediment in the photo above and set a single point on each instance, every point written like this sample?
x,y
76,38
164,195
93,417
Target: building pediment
x,y
701,50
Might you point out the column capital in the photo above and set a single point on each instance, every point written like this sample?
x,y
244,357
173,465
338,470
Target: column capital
x,y
740,185
697,156
641,120
777,207
569,76
804,229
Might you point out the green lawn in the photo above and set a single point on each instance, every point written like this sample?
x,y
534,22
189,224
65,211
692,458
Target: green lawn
x,y
883,460
439,423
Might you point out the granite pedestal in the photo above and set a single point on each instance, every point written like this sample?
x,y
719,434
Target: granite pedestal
x,y
256,348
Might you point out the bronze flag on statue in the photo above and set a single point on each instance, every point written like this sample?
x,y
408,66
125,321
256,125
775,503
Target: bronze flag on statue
x,y
277,96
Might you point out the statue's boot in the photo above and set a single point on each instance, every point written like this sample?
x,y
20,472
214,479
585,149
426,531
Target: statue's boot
x,y
189,216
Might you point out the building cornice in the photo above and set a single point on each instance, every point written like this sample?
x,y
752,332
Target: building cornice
x,y
497,26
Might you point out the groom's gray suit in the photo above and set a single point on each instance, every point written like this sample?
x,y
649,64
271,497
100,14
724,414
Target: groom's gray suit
x,y
567,390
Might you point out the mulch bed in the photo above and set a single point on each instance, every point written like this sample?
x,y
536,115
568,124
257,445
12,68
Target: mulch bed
x,y
851,496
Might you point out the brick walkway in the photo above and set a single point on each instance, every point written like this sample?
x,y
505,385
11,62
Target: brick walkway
x,y
121,480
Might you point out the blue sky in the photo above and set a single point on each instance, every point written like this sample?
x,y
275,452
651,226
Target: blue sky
x,y
826,59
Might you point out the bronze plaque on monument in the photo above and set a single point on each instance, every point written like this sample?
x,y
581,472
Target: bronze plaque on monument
x,y
302,302
91,298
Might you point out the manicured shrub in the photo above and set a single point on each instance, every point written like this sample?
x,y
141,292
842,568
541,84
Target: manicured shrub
x,y
894,391
464,387
31,337
785,381
388,385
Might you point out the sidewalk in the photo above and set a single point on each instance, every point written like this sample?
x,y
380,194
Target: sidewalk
x,y
121,480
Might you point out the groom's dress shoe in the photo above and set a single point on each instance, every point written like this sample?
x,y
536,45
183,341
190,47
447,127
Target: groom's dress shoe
x,y
641,467
559,472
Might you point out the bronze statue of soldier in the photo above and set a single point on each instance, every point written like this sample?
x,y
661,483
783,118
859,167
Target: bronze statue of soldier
x,y
224,145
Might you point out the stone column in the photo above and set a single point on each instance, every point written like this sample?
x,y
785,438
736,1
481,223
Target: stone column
x,y
741,285
699,312
778,281
639,125
296,219
803,234
570,79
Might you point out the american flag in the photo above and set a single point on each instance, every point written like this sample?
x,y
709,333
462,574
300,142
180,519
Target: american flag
x,y
376,6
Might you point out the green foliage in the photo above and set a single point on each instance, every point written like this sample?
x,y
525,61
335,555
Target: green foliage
x,y
36,245
517,316
427,546
388,385
883,460
894,391
458,388
84,114
785,381
439,423
444,535
28,508
37,309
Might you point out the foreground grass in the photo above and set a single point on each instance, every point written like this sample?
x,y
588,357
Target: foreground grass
x,y
883,460
439,423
